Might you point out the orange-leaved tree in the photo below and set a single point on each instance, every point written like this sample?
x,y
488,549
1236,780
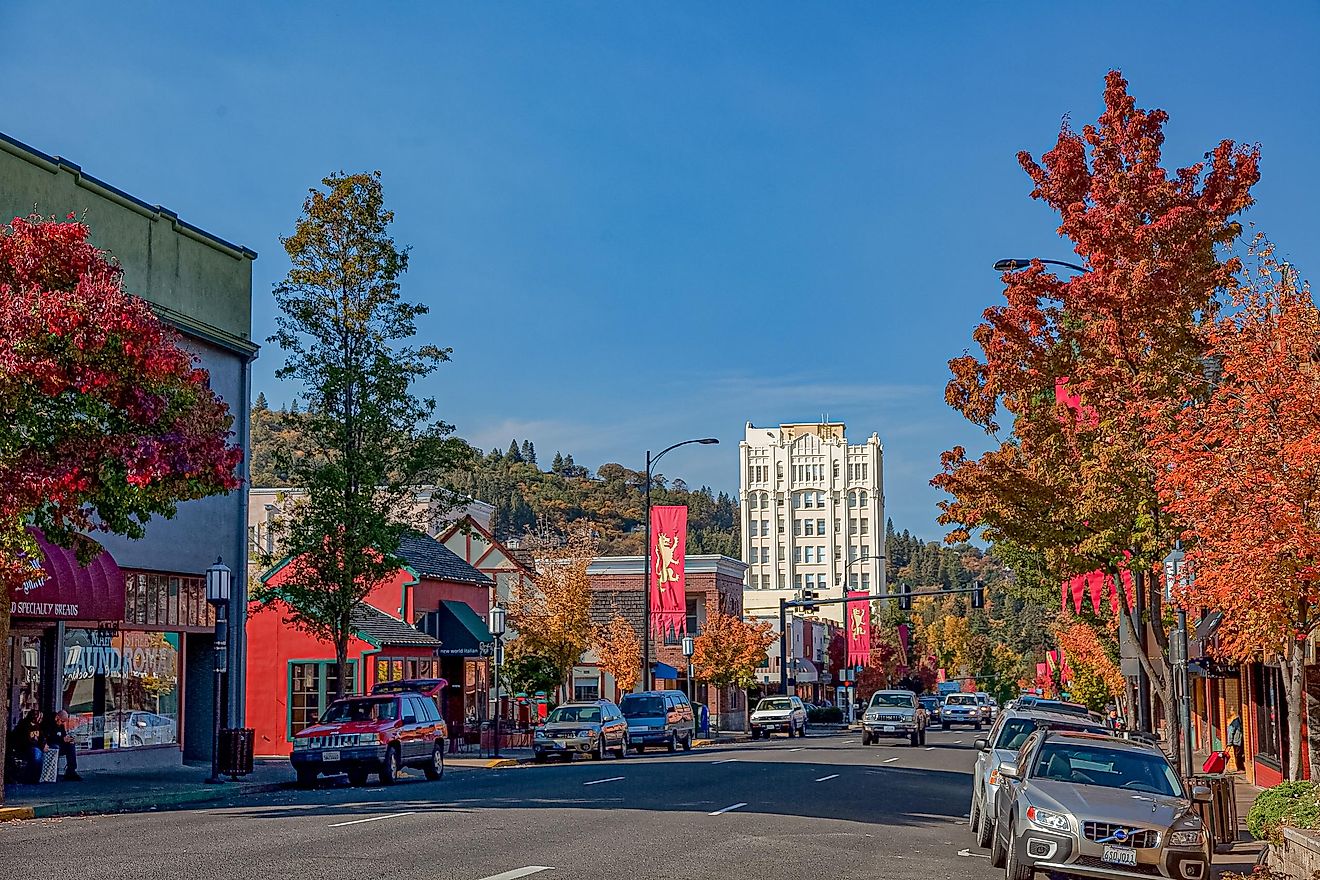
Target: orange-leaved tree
x,y
552,616
1243,475
620,651
729,649
1075,478
1096,675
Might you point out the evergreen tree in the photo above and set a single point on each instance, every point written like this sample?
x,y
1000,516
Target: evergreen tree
x,y
528,452
513,454
261,402
557,466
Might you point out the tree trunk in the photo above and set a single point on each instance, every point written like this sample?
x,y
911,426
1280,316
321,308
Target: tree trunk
x,y
1294,687
341,662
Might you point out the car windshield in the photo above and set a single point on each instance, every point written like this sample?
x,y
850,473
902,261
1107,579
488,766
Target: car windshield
x,y
1016,730
642,707
362,710
779,704
961,700
574,713
1110,768
898,700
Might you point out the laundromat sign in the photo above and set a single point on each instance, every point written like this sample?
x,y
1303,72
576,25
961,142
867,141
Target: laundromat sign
x,y
104,657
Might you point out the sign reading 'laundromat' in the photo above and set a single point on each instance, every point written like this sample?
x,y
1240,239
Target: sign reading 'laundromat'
x,y
82,661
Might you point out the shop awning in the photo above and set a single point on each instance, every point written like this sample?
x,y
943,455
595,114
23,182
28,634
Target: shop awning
x,y
460,630
63,588
664,670
805,671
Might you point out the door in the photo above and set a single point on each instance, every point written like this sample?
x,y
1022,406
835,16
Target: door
x,y
412,740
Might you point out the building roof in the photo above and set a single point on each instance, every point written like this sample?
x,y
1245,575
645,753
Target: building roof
x,y
377,627
429,558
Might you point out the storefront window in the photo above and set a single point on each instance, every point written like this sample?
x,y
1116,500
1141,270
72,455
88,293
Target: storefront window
x,y
396,668
122,688
1270,713
24,676
312,689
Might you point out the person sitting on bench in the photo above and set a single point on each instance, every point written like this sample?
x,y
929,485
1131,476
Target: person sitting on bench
x,y
26,745
56,736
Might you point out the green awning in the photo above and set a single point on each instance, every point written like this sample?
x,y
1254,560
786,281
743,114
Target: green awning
x,y
461,630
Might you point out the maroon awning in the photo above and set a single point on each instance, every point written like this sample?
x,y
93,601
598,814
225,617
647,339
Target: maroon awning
x,y
63,588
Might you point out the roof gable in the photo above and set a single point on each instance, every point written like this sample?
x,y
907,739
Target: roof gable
x,y
427,557
493,555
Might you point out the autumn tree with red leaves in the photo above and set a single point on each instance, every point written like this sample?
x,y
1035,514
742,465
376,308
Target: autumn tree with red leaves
x,y
620,651
1243,476
107,420
1079,486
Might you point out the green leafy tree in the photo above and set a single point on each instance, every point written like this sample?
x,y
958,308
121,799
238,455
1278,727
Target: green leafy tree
x,y
343,328
528,672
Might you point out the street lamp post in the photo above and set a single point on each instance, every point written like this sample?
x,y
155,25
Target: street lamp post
x,y
497,627
1012,265
219,580
1174,582
689,648
646,577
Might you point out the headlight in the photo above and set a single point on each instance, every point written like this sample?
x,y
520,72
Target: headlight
x,y
1046,819
587,733
540,734
1185,838
994,776
301,742
368,739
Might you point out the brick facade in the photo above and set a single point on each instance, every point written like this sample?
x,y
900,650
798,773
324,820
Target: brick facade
x,y
712,581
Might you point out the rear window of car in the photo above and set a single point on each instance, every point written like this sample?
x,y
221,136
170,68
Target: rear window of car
x,y
960,700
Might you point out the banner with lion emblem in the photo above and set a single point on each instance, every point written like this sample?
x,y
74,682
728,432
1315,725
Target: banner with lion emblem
x,y
668,584
859,631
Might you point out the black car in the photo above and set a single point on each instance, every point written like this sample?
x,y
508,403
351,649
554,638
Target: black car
x,y
931,703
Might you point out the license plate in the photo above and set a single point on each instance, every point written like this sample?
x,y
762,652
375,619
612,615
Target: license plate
x,y
889,728
331,755
1120,855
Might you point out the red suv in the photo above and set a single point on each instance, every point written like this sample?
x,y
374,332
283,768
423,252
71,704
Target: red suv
x,y
376,734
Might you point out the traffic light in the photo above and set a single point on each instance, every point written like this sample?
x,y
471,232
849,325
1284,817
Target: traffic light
x,y
905,597
978,595
808,601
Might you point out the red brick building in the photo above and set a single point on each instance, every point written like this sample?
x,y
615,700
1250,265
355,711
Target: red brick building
x,y
713,581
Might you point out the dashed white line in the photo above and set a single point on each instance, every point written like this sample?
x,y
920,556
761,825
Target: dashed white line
x,y
798,749
930,748
519,872
957,742
599,781
716,813
828,778
372,819
726,761
889,760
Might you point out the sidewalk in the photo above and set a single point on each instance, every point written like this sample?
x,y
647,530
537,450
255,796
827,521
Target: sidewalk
x,y
1242,856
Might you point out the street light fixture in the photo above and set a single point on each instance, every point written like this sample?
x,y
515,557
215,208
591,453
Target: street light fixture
x,y
497,627
1174,583
219,581
1011,265
646,578
689,648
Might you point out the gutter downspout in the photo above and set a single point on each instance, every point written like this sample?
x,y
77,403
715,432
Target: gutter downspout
x,y
238,610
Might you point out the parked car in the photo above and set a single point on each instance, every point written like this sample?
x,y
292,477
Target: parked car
x,y
1089,805
381,734
960,709
1059,706
774,714
931,703
126,729
987,711
658,718
1001,745
433,688
894,714
583,728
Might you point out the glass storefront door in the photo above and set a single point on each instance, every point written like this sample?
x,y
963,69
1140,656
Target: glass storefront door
x,y
25,686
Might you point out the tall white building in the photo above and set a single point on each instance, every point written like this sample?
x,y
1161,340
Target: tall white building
x,y
812,509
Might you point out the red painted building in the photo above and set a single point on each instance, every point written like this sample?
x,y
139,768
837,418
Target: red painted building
x,y
292,674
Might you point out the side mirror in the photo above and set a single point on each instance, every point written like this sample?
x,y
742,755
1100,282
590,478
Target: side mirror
x,y
982,745
1201,794
1009,770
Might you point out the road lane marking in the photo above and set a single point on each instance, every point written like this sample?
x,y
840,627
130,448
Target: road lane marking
x,y
930,748
716,813
519,872
798,749
828,778
599,781
957,742
968,854
726,761
373,819
889,760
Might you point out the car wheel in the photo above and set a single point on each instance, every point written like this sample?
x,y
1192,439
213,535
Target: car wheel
x,y
622,750
756,734
135,740
802,731
944,727
986,832
915,738
974,817
307,777
866,738
599,754
977,726
687,743
435,768
389,770
1013,869
357,777
539,758
672,745
923,736
639,748
996,851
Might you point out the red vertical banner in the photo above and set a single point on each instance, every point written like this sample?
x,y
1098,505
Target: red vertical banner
x,y
859,631
668,583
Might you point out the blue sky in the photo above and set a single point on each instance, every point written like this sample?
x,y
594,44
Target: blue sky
x,y
638,223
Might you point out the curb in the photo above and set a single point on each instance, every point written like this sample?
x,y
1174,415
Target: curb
x,y
13,814
498,763
143,804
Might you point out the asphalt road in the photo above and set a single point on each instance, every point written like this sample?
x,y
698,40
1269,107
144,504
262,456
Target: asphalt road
x,y
778,810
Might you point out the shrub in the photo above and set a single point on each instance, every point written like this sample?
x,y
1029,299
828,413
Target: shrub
x,y
1291,803
826,715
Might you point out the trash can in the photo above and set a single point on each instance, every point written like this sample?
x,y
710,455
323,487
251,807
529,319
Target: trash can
x,y
236,751
1220,815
